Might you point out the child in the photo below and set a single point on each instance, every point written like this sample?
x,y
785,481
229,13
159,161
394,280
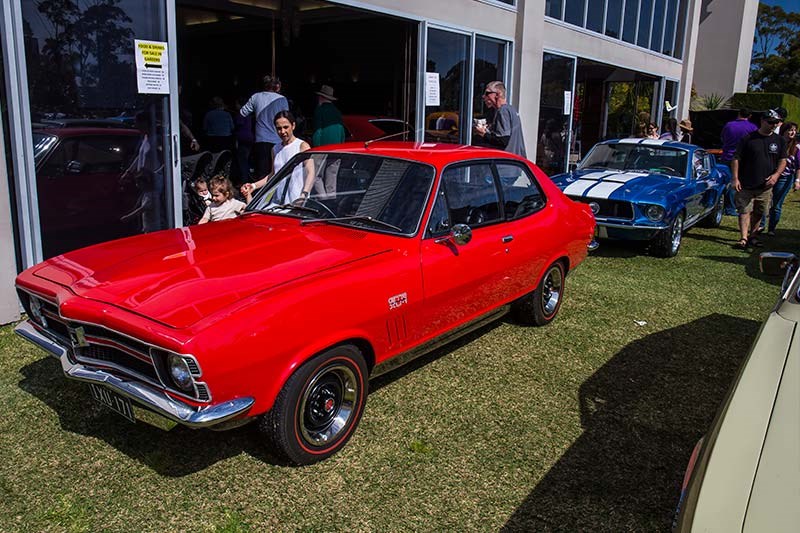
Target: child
x,y
201,188
223,205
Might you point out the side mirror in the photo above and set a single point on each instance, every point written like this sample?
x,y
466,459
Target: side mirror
x,y
776,263
461,233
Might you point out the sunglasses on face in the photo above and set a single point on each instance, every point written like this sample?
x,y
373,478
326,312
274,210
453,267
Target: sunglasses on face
x,y
487,93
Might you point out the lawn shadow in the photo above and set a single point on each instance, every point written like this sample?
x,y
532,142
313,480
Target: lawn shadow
x,y
613,248
642,414
174,453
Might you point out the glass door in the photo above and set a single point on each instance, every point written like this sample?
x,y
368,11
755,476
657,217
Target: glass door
x,y
447,70
555,109
100,78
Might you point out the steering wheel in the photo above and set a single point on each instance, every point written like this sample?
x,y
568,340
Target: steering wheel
x,y
318,204
476,216
668,169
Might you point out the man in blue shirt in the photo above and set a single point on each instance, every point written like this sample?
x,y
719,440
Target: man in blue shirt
x,y
265,105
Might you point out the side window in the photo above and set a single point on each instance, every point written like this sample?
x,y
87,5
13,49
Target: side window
x,y
57,162
521,194
697,161
439,223
102,155
471,194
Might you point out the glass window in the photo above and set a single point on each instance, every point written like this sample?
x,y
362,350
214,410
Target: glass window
x,y
594,15
439,222
490,57
552,8
658,25
448,55
574,12
614,18
629,21
521,195
634,156
553,117
81,68
669,27
680,29
471,194
645,22
671,99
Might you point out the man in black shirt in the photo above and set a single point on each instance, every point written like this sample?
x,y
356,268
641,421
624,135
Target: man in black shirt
x,y
759,160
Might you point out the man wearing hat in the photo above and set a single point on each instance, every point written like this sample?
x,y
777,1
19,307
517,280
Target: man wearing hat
x,y
328,127
686,130
758,162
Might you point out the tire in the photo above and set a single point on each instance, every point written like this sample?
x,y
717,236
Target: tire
x,y
668,241
319,407
714,218
539,307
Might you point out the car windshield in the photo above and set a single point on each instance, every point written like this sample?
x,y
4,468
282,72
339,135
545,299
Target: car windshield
x,y
41,144
637,157
368,191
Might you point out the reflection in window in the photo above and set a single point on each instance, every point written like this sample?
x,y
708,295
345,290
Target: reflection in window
x,y
471,194
658,25
448,53
680,28
552,8
645,22
614,18
629,21
594,15
521,196
574,12
557,74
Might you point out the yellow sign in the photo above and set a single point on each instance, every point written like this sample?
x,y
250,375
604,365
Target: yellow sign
x,y
152,67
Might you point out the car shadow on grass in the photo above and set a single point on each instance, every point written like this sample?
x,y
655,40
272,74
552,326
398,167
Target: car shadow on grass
x,y
175,452
642,413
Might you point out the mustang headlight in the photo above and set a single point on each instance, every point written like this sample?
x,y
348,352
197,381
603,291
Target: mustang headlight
x,y
654,212
180,373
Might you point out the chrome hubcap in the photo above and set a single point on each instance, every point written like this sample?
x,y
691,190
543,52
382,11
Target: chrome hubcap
x,y
328,404
551,290
677,230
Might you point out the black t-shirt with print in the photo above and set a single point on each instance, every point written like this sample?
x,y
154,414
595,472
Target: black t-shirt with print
x,y
758,157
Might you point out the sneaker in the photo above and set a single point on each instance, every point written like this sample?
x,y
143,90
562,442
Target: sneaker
x,y
771,233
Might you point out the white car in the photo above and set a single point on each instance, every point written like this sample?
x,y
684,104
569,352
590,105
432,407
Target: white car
x,y
744,475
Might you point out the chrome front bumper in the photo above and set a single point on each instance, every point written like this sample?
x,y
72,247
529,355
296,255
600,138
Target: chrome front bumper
x,y
151,398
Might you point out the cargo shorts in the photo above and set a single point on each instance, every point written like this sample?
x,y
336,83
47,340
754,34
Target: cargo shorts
x,y
753,200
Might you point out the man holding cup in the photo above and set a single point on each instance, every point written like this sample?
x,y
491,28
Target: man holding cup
x,y
506,129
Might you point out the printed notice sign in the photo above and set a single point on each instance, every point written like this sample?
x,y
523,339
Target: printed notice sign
x,y
567,102
152,67
432,88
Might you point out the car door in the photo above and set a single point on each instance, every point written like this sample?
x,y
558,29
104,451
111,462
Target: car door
x,y
696,186
528,227
461,282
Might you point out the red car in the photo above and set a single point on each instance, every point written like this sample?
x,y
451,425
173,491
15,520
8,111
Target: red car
x,y
351,261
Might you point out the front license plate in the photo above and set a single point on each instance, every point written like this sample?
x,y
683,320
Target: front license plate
x,y
112,400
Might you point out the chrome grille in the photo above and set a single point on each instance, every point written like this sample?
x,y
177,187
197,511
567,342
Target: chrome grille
x,y
608,208
202,392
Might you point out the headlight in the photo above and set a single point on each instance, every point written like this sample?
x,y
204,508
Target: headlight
x,y
179,372
654,212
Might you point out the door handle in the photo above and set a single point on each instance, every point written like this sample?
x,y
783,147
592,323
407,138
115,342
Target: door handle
x,y
508,238
174,150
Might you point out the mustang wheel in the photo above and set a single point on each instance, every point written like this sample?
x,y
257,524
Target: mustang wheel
x,y
540,307
319,407
714,218
668,241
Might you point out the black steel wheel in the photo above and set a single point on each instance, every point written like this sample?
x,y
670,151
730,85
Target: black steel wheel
x,y
318,407
539,307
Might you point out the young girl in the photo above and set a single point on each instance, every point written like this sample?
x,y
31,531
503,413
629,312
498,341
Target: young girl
x,y
790,177
223,205
295,188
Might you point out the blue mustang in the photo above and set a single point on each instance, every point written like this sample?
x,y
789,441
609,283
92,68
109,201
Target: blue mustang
x,y
649,190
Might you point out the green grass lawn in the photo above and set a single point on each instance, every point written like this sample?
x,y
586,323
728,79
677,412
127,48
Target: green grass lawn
x,y
584,425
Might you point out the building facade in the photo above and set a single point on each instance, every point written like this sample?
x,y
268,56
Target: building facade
x,y
84,137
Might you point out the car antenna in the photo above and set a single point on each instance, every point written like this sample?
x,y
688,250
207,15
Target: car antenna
x,y
367,143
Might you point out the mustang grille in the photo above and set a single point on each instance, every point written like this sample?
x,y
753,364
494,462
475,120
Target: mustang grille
x,y
608,208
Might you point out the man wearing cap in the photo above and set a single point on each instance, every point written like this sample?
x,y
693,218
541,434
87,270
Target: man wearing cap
x,y
758,162
265,105
328,127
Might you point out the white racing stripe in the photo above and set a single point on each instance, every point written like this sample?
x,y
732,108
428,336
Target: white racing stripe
x,y
603,189
579,187
623,178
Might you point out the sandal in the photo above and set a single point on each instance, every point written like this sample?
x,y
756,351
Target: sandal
x,y
755,242
741,245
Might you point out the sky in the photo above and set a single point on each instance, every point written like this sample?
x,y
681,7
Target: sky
x,y
787,5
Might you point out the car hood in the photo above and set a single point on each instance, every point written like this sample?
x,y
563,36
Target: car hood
x,y
177,277
618,185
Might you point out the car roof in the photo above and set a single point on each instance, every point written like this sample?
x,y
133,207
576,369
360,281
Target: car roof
x,y
431,153
651,142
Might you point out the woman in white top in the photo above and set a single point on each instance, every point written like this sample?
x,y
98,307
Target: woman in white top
x,y
295,187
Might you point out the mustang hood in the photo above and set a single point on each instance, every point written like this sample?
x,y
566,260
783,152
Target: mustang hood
x,y
618,185
179,276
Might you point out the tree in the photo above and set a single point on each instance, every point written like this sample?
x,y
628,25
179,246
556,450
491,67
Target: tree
x,y
775,65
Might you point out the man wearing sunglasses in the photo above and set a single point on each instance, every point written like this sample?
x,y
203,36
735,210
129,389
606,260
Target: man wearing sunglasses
x,y
506,129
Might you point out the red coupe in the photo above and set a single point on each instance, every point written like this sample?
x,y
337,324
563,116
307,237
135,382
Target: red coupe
x,y
351,261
